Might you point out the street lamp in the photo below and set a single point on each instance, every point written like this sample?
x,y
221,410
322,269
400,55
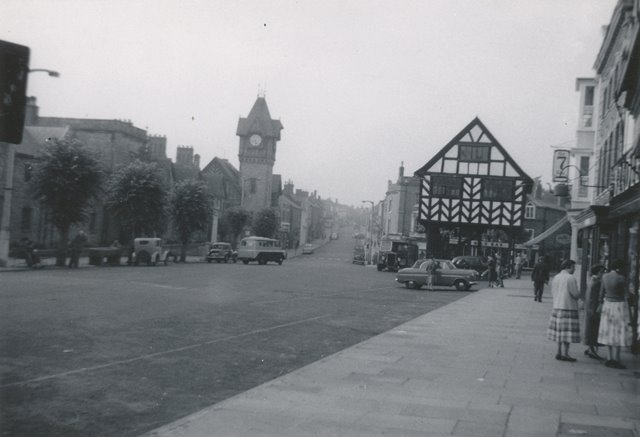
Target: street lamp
x,y
370,230
5,220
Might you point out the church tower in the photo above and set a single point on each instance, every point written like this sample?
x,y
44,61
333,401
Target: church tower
x,y
258,134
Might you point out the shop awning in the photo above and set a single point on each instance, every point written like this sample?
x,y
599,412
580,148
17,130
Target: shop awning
x,y
549,232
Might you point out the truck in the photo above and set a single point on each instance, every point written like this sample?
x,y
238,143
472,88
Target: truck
x,y
397,252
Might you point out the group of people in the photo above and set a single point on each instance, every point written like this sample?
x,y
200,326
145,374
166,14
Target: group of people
x,y
606,305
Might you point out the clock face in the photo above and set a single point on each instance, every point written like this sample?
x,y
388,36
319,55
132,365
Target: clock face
x,y
255,140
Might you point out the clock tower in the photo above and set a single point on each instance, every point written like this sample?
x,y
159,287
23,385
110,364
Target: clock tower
x,y
258,134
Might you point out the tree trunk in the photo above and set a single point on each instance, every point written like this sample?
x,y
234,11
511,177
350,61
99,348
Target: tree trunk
x,y
61,256
183,252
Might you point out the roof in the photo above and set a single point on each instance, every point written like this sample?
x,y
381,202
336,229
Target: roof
x,y
35,138
259,121
477,134
550,231
222,166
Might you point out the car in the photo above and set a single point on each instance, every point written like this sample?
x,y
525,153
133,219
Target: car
x,y
150,251
221,251
445,274
477,263
358,255
307,249
334,236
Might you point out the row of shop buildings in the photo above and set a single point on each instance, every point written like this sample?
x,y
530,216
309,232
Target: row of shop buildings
x,y
472,198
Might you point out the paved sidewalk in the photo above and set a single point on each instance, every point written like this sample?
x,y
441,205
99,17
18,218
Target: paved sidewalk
x,y
480,366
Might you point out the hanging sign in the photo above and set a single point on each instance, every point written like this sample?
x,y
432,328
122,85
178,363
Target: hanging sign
x,y
560,164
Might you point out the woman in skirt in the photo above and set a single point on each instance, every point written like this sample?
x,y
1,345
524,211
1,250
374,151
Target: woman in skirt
x,y
615,329
592,301
564,325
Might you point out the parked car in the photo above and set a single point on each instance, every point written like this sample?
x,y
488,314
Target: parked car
x,y
477,263
358,255
219,252
150,251
307,249
445,274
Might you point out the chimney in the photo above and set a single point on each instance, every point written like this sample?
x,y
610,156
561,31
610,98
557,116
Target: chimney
x,y
401,172
196,161
31,113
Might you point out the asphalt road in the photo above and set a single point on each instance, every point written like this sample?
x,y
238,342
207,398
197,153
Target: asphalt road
x,y
106,351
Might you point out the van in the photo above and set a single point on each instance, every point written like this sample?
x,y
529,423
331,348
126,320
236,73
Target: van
x,y
260,249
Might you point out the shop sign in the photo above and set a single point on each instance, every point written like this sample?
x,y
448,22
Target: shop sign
x,y
563,239
560,164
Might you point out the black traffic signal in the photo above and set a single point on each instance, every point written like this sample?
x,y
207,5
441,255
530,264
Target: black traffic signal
x,y
14,70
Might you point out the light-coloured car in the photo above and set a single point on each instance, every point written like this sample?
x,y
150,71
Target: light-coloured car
x,y
445,274
149,251
307,249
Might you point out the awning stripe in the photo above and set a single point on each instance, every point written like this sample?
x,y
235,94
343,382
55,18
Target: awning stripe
x,y
552,230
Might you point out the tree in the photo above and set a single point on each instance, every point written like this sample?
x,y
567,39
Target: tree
x,y
265,223
190,210
235,219
65,178
136,197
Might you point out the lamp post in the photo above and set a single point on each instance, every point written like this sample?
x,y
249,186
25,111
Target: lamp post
x,y
370,230
5,220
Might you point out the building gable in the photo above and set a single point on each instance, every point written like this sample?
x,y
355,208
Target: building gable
x,y
473,180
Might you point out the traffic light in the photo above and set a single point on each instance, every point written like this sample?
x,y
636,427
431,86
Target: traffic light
x,y
14,70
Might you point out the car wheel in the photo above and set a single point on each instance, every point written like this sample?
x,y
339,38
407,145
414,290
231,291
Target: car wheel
x,y
461,285
208,260
417,286
410,284
380,267
280,261
245,261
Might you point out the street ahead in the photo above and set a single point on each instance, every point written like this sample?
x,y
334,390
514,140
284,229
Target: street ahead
x,y
108,351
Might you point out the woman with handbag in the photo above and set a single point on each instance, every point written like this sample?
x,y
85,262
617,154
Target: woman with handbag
x,y
615,327
592,310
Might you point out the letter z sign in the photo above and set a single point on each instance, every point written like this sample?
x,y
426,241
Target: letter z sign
x,y
560,166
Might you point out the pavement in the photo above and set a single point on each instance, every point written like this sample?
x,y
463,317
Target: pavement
x,y
480,366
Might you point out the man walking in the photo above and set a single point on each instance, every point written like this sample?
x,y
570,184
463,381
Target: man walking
x,y
539,276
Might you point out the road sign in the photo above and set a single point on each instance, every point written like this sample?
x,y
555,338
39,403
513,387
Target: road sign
x,y
14,70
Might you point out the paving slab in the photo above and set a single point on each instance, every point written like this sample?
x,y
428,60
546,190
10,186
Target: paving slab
x,y
480,366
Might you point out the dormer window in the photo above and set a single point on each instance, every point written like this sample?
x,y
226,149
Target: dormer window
x,y
530,211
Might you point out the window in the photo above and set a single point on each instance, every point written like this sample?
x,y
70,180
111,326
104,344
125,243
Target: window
x,y
474,153
588,96
583,191
25,219
446,186
497,189
530,211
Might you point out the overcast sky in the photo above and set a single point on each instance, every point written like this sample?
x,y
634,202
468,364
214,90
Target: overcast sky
x,y
360,86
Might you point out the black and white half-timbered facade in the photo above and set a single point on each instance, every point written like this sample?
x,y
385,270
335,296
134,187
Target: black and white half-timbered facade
x,y
470,188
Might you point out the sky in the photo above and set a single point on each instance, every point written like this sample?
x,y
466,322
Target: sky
x,y
360,86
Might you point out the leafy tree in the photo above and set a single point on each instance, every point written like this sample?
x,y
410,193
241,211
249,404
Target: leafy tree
x,y
65,178
235,219
136,197
265,223
190,210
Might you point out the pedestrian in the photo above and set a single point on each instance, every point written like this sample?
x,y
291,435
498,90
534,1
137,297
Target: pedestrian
x,y
564,324
491,267
539,276
431,271
518,264
76,245
500,271
592,301
615,327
